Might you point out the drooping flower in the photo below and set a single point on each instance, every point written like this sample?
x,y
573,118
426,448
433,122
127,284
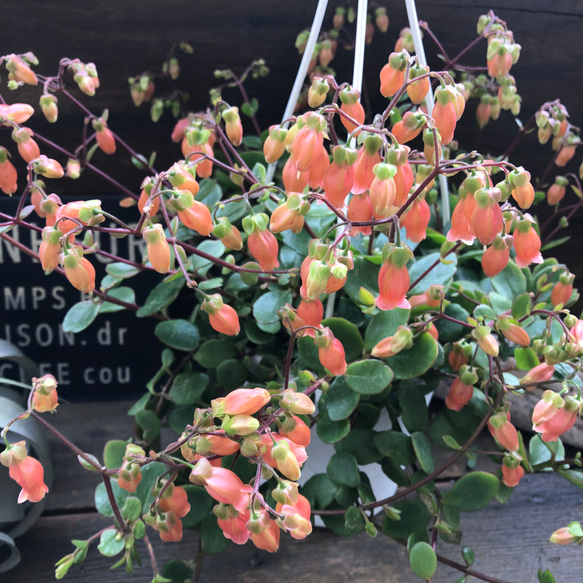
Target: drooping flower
x,y
503,431
394,278
157,248
330,352
527,244
221,484
26,471
222,317
241,402
45,396
351,106
261,242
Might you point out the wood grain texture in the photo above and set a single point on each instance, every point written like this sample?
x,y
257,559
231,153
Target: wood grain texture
x,y
510,542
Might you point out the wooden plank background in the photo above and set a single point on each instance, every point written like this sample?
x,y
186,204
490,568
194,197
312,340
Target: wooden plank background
x,y
510,541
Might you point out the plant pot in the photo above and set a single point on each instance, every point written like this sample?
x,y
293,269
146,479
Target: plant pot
x,y
15,518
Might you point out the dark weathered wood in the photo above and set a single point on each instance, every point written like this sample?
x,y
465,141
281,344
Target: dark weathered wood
x,y
510,542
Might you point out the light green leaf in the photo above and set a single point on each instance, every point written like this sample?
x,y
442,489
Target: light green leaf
x,y
80,316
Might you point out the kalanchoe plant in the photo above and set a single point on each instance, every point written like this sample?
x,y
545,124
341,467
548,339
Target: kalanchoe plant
x,y
333,293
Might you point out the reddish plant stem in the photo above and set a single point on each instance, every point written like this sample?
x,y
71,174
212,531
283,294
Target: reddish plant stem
x,y
434,264
88,165
152,556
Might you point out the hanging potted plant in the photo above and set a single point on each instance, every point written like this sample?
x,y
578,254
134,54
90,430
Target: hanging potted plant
x,y
328,291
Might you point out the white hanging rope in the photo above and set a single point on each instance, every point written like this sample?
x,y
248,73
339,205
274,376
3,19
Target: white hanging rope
x,y
357,71
357,74
419,50
302,71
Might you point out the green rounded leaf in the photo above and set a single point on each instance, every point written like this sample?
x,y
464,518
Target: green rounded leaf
x,y
161,297
213,352
414,519
342,469
415,361
341,400
395,445
510,282
423,560
201,505
309,353
121,270
80,316
368,377
177,571
179,334
188,388
472,491
231,374
132,508
266,307
109,543
422,449
125,294
353,520
113,453
360,443
150,424
331,431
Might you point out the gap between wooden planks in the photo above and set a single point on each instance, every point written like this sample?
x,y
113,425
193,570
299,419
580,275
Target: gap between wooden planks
x,y
510,541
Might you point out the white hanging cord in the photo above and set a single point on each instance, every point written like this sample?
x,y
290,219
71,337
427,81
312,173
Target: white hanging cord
x,y
357,74
302,71
419,50
359,45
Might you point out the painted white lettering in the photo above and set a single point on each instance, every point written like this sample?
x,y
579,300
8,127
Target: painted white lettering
x,y
104,334
14,302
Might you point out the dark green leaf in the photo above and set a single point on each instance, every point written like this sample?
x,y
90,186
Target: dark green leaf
x,y
415,361
200,264
309,353
266,307
521,306
179,334
213,352
342,469
320,491
353,520
150,424
255,334
188,388
414,410
231,374
161,297
365,274
472,491
201,505
510,282
414,519
331,431
368,377
422,448
180,417
177,571
212,538
395,445
80,316
360,443
341,400
451,331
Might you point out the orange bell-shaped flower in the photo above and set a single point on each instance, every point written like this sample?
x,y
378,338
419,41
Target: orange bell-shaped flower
x,y
394,278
